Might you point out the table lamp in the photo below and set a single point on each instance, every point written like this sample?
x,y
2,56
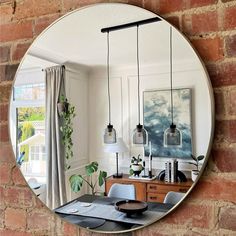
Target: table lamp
x,y
118,147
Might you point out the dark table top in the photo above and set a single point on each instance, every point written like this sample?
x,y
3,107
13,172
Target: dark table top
x,y
106,225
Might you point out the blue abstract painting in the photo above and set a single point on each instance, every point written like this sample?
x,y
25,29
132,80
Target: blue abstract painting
x,y
157,118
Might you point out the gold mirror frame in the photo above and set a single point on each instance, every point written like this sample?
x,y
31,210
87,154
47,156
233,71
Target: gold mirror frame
x,y
209,87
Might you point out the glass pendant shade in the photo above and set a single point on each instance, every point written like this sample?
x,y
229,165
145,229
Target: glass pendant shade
x,y
172,137
109,135
140,135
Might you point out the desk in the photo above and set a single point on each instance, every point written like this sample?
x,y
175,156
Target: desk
x,y
149,190
107,225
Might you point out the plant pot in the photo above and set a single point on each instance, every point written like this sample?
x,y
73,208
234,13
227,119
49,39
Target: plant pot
x,y
137,169
62,107
194,174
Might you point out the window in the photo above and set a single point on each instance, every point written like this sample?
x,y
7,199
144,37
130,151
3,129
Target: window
x,y
28,115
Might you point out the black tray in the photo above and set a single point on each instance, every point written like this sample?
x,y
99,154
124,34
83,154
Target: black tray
x,y
131,207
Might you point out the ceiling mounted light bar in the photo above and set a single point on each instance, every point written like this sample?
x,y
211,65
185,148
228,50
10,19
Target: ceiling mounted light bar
x,y
132,24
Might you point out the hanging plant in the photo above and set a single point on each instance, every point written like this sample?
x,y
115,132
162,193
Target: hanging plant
x,y
67,113
62,105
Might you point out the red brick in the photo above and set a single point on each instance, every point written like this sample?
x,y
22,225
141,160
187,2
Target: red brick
x,y
200,3
72,4
39,220
69,229
4,54
5,91
1,218
230,45
32,8
7,72
15,218
9,232
174,20
19,51
18,197
215,188
204,22
2,198
3,112
5,173
202,217
6,154
14,31
222,74
167,6
5,13
209,49
227,218
225,159
4,134
42,23
229,18
232,101
17,177
220,103
226,131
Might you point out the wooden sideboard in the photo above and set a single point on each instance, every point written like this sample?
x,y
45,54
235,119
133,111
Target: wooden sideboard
x,y
149,190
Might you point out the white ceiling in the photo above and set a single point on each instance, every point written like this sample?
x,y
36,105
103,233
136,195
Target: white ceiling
x,y
77,38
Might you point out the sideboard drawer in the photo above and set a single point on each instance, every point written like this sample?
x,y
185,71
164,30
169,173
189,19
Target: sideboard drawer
x,y
155,197
156,188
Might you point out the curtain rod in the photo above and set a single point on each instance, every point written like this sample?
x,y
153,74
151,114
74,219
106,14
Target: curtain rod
x,y
132,24
58,65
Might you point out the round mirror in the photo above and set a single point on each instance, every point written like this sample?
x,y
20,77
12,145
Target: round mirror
x,y
111,117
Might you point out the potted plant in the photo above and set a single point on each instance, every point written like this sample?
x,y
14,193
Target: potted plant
x,y
62,105
76,181
136,167
67,113
195,172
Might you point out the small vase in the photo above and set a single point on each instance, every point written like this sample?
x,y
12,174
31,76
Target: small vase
x,y
137,169
194,174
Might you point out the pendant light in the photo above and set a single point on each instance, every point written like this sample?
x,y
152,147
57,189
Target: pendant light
x,y
110,133
172,135
140,135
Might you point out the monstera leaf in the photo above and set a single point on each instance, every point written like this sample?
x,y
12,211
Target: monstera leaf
x,y
76,182
101,178
91,168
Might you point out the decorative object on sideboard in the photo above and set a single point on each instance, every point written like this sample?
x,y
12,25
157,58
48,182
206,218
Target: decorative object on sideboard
x,y
195,172
76,181
136,167
180,176
172,135
67,113
118,147
110,133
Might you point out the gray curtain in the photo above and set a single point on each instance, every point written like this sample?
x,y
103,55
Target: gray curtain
x,y
55,86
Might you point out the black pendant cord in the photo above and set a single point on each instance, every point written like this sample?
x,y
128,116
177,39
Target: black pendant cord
x,y
108,79
138,74
171,74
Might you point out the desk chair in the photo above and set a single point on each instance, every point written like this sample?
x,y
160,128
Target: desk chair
x,y
173,197
126,191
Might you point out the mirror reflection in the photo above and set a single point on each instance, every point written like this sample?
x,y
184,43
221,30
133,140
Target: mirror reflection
x,y
111,127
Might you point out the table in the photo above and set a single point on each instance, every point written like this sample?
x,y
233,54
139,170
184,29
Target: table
x,y
105,224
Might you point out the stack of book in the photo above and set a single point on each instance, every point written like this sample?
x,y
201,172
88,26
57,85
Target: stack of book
x,y
171,169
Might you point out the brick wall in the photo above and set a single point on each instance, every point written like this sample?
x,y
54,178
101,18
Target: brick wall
x,y
211,26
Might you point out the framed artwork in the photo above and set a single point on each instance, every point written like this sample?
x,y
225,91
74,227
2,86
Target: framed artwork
x,y
157,118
